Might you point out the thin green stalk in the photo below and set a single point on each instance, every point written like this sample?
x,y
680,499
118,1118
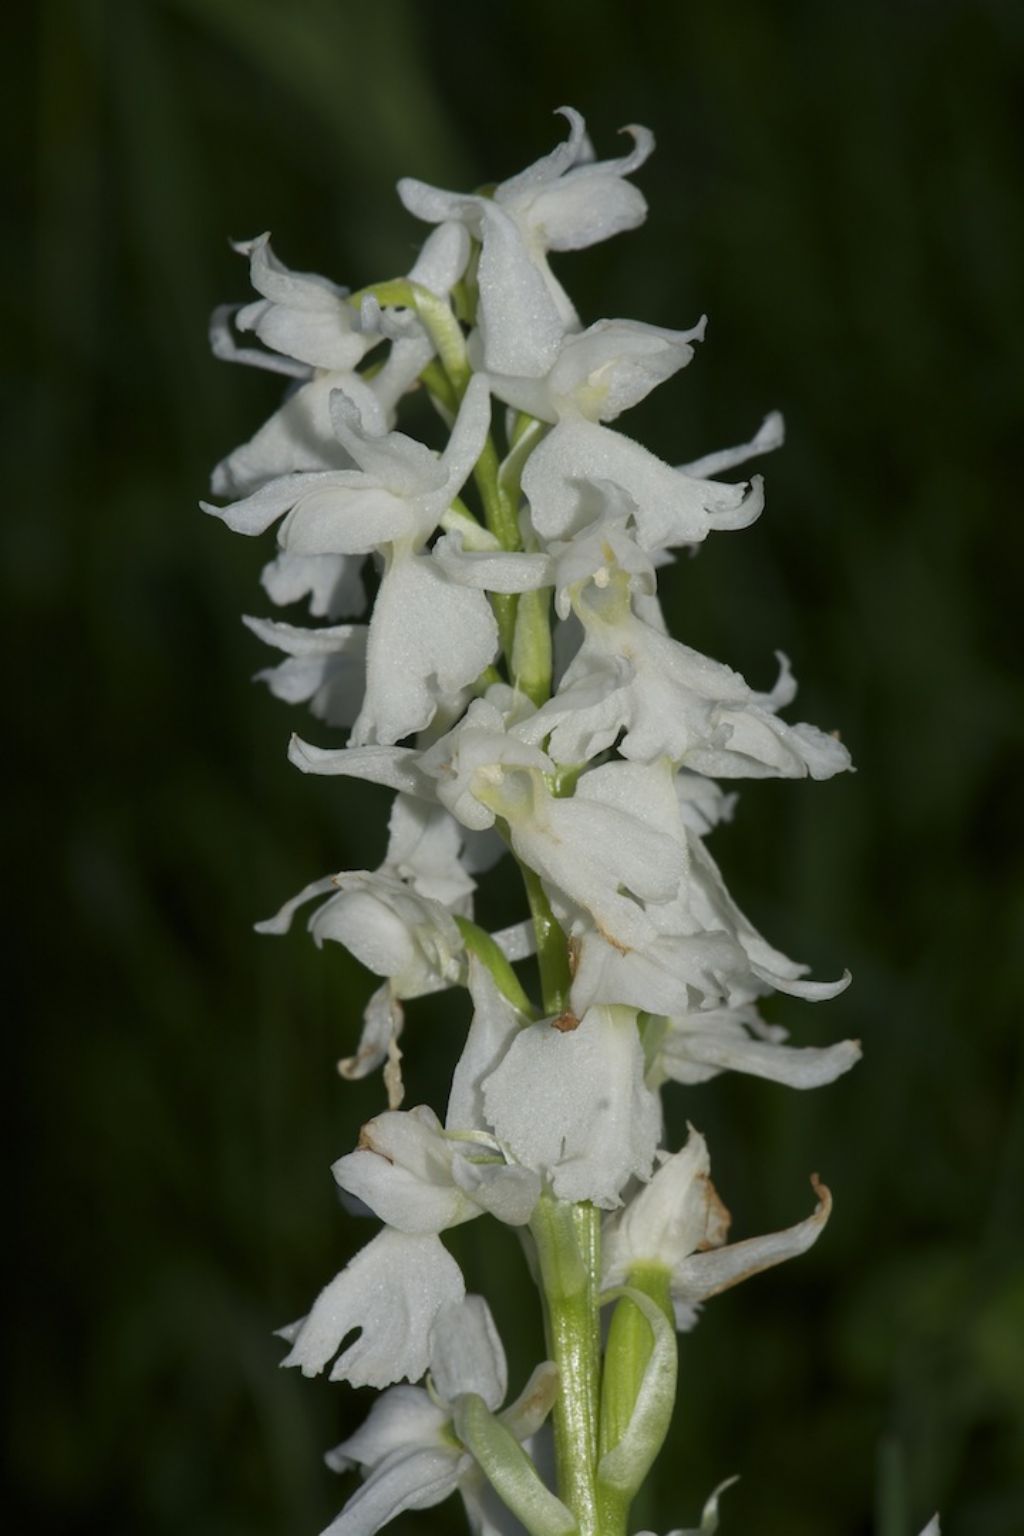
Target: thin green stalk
x,y
531,646
500,518
499,510
480,943
505,605
566,1237
552,949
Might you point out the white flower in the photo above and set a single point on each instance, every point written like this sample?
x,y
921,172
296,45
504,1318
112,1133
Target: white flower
x,y
300,315
663,699
602,371
563,202
677,1222
428,636
408,1449
564,475
319,339
698,1045
397,920
392,1291
325,668
560,1103
568,1100
475,754
700,950
602,857
418,1179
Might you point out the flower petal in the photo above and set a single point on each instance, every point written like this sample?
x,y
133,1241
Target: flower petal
x,y
522,315
771,434
402,1171
391,1292
494,1026
394,767
573,1105
506,1192
671,508
676,1214
333,583
428,639
415,1479
299,437
466,1353
698,1044
382,1024
402,1417
224,346
325,666
706,1274
491,570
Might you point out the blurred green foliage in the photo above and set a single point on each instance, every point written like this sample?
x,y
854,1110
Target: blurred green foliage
x,y
839,187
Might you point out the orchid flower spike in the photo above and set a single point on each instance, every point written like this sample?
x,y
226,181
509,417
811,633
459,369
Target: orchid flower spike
x,y
477,628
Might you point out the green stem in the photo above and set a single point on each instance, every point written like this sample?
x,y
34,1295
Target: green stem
x,y
552,949
567,1239
478,942
440,386
531,646
500,518
499,509
505,605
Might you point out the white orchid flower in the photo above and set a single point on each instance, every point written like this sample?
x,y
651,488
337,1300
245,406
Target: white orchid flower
x,y
664,699
564,201
324,668
568,1099
300,316
482,743
678,1223
559,1104
311,333
700,948
602,371
408,1447
420,1176
320,340
590,555
696,1046
392,1291
672,508
603,858
428,636
397,921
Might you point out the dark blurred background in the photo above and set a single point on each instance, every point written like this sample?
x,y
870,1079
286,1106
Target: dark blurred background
x,y
839,187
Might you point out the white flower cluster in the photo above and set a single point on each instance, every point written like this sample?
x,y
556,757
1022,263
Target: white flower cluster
x,y
588,753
